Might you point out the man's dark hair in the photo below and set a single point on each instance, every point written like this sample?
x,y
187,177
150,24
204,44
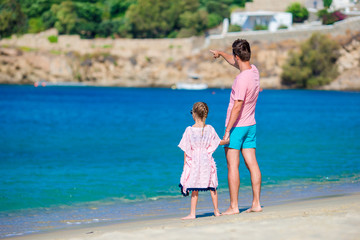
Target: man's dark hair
x,y
241,48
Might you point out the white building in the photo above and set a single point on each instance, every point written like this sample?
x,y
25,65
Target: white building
x,y
273,20
342,4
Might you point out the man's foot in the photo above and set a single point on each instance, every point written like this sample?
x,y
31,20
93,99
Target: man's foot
x,y
254,209
231,211
217,213
189,217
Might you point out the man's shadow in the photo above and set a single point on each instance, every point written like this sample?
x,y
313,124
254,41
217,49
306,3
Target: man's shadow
x,y
210,214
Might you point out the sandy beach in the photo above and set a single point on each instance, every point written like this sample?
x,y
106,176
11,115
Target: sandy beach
x,y
334,217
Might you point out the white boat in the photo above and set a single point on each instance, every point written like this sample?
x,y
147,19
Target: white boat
x,y
191,86
43,83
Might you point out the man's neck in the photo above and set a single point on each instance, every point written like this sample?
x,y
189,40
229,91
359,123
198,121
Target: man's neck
x,y
244,65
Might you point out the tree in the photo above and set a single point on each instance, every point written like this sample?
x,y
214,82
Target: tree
x,y
35,8
153,18
48,19
65,17
126,18
240,3
327,3
314,65
109,27
12,19
88,19
192,23
214,20
88,11
218,7
119,7
299,12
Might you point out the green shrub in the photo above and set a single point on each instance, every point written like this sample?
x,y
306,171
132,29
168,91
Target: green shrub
x,y
322,13
26,49
53,39
173,34
299,12
260,27
234,28
55,52
314,65
36,25
332,17
283,27
186,32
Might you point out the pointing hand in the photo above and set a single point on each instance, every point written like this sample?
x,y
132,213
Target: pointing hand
x,y
215,53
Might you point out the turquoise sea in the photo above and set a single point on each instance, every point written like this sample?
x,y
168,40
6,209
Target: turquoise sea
x,y
91,155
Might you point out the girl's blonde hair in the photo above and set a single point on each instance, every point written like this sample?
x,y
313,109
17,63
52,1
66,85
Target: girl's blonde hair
x,y
201,110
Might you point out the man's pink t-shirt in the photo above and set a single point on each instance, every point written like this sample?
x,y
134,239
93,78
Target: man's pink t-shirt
x,y
246,88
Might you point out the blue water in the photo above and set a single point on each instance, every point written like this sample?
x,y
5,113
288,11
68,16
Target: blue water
x,y
63,147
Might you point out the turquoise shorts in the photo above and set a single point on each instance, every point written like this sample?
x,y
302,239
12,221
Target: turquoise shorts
x,y
242,137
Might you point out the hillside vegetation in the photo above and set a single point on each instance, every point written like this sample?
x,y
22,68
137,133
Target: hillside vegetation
x,y
115,18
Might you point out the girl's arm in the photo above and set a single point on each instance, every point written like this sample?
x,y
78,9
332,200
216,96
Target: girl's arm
x,y
223,142
228,57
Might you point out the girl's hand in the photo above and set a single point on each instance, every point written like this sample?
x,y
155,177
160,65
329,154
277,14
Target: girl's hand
x,y
226,136
215,53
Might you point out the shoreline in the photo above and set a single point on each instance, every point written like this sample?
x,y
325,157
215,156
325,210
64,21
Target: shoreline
x,y
330,217
102,214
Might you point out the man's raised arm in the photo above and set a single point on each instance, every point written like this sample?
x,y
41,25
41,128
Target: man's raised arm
x,y
228,57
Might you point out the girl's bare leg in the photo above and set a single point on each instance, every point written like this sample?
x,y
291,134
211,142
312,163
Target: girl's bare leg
x,y
214,198
194,199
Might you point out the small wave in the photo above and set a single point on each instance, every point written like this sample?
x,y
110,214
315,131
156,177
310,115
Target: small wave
x,y
84,221
18,234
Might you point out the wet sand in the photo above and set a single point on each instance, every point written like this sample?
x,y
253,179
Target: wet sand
x,y
331,217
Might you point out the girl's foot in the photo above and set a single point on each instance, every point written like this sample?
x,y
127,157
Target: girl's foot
x,y
217,213
189,217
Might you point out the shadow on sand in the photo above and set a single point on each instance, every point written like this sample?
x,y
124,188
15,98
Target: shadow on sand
x,y
211,214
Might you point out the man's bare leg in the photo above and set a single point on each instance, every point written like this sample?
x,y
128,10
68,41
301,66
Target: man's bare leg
x,y
249,155
233,160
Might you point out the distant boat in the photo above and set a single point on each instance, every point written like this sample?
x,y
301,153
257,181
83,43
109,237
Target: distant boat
x,y
43,83
191,86
192,83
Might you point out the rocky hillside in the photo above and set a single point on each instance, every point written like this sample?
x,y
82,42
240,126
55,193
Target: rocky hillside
x,y
150,62
349,65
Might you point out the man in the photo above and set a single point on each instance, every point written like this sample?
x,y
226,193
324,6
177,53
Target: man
x,y
241,125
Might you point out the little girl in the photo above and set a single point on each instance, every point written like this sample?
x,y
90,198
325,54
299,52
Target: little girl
x,y
199,173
